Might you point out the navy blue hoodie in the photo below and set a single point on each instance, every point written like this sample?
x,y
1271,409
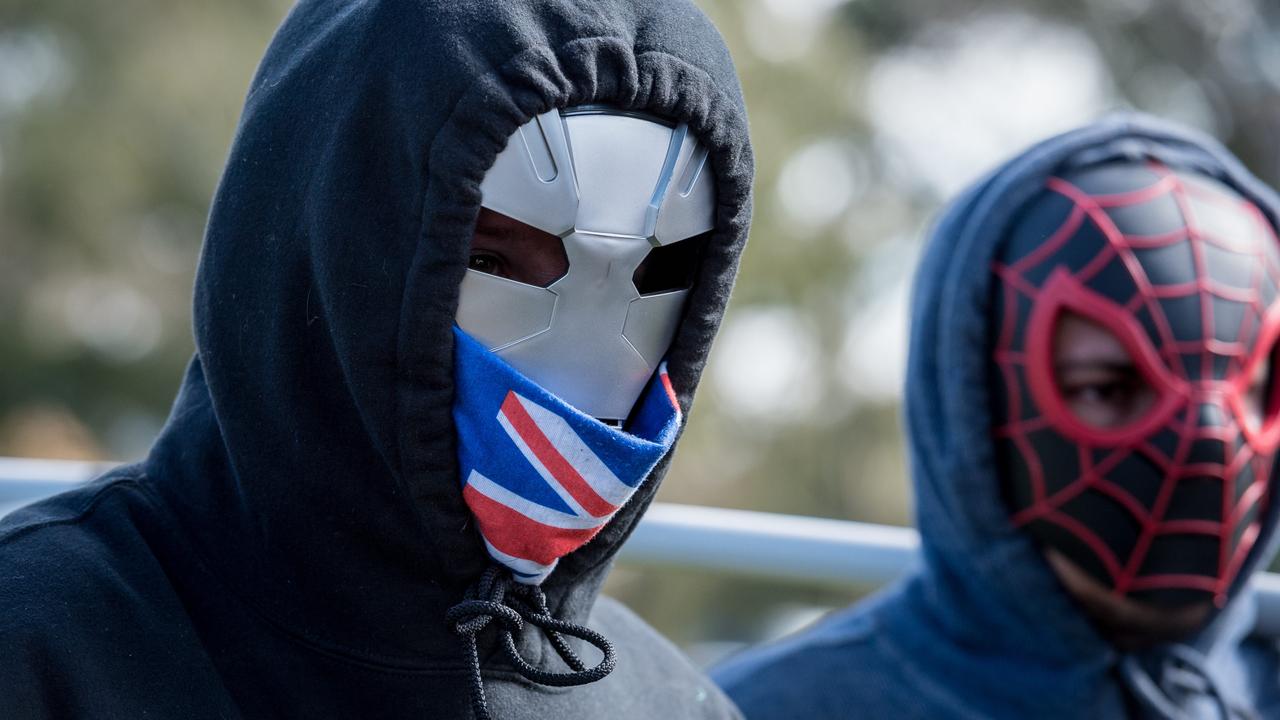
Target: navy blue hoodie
x,y
292,543
982,628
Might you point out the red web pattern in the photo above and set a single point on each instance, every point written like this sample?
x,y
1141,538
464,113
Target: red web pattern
x,y
1191,392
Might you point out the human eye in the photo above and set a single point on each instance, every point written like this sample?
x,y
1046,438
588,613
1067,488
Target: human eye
x,y
1105,396
1097,377
1112,389
486,262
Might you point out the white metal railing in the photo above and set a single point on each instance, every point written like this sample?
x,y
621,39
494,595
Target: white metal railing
x,y
771,545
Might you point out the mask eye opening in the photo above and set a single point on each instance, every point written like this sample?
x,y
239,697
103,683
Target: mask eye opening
x,y
1272,389
513,250
1062,293
1262,431
1270,410
1096,376
671,267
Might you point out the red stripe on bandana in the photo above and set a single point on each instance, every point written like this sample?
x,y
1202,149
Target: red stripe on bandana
x,y
671,391
520,536
552,460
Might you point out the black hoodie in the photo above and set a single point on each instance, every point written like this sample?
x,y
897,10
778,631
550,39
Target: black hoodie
x,y
292,543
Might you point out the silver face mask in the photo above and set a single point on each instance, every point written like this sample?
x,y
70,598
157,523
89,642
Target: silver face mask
x,y
620,189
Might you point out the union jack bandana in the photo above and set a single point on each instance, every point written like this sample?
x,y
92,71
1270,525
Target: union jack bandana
x,y
540,477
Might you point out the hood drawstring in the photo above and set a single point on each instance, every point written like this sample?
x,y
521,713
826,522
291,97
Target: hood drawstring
x,y
487,601
1182,674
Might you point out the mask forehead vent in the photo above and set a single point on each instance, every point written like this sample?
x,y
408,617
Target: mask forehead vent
x,y
533,179
600,170
639,178
683,204
618,160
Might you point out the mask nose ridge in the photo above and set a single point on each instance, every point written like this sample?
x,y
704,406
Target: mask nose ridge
x,y
1215,434
1210,413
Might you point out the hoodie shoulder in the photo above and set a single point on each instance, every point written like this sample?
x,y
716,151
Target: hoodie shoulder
x,y
652,679
59,551
838,668
647,659
73,568
85,605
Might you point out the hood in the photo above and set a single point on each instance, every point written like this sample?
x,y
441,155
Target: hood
x,y
311,453
983,581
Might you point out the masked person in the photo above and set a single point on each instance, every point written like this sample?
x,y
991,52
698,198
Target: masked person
x,y
416,429
1093,422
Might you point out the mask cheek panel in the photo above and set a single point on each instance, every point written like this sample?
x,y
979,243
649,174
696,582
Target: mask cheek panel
x,y
574,374
651,323
501,312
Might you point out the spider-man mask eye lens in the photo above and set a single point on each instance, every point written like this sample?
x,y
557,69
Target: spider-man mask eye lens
x,y
1100,383
1092,373
1255,399
1258,399
1259,403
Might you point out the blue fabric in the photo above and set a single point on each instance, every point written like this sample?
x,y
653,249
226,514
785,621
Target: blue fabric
x,y
981,628
533,509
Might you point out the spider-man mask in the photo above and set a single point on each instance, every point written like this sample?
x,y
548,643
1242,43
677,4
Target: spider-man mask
x,y
1179,273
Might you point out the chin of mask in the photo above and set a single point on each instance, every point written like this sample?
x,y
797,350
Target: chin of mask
x,y
563,405
1143,449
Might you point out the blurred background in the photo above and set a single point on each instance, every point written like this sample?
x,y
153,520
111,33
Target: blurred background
x,y
115,120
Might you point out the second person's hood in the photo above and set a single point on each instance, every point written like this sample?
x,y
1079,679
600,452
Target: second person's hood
x,y
984,583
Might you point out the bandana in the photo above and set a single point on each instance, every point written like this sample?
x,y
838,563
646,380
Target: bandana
x,y
1183,272
540,477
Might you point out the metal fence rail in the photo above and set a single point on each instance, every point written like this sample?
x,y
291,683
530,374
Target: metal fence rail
x,y
785,547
